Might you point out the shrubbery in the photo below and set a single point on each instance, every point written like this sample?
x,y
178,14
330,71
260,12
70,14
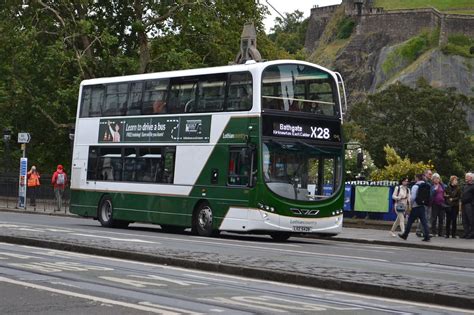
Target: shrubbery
x,y
459,45
409,51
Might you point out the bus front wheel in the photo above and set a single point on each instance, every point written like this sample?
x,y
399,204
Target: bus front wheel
x,y
280,236
203,220
105,214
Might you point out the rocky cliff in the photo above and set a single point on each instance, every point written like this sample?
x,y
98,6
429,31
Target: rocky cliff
x,y
386,47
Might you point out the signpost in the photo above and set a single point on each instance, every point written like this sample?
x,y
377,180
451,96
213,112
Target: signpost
x,y
23,138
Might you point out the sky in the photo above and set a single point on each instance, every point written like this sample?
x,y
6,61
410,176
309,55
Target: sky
x,y
289,6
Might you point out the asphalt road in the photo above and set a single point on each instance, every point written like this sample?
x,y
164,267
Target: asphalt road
x,y
430,270
42,281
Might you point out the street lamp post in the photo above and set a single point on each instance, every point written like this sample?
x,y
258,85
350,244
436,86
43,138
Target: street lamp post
x,y
7,134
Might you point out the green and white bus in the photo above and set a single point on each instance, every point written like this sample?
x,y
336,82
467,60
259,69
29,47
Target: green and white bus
x,y
245,148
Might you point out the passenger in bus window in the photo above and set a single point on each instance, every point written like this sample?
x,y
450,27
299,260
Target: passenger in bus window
x,y
159,107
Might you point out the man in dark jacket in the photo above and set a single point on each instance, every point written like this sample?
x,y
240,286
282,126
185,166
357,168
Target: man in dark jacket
x,y
467,200
417,212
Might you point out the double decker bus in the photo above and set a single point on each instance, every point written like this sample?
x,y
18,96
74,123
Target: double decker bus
x,y
250,148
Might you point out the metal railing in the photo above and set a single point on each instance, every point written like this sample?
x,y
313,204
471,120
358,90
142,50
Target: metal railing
x,y
45,199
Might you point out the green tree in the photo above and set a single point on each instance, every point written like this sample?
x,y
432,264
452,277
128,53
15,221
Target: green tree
x,y
397,168
289,33
49,47
422,124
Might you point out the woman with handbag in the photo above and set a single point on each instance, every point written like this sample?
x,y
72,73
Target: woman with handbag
x,y
401,198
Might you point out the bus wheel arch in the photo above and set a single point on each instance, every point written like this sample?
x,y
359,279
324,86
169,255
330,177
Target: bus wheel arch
x,y
202,224
105,211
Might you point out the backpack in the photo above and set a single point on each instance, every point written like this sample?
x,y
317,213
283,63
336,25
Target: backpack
x,y
423,195
60,179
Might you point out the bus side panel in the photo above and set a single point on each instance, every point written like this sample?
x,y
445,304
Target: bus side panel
x,y
85,203
219,193
156,209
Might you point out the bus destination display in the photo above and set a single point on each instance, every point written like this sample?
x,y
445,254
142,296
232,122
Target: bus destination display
x,y
291,127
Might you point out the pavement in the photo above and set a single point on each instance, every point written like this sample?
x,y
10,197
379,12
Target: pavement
x,y
371,283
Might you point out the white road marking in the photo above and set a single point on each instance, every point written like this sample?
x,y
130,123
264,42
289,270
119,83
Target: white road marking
x,y
36,267
305,306
59,266
31,230
115,238
212,279
157,309
390,300
133,283
64,284
439,266
19,256
181,311
216,310
174,281
59,230
227,301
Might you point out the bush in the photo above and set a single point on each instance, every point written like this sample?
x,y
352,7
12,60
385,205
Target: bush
x,y
411,50
398,168
345,28
458,45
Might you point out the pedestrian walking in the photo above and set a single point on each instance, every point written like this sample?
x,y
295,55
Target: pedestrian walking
x,y
59,182
420,195
33,184
467,199
452,195
401,196
437,205
427,178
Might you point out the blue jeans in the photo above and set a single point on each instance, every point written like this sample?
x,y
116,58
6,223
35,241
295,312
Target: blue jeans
x,y
417,213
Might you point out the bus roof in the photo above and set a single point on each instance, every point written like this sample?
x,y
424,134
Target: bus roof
x,y
249,66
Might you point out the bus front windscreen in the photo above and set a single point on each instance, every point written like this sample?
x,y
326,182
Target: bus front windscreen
x,y
300,170
299,88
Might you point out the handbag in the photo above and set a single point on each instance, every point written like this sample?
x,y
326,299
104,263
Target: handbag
x,y
400,207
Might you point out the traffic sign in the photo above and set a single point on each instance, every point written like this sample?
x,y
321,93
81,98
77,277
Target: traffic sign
x,y
24,137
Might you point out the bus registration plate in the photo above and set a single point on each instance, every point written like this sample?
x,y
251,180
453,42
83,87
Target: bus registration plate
x,y
302,228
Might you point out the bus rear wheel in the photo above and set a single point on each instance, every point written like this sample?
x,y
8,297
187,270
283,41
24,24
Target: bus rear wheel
x,y
105,214
202,224
280,236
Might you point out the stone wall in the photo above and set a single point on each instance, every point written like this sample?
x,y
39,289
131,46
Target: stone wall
x,y
318,20
458,24
399,25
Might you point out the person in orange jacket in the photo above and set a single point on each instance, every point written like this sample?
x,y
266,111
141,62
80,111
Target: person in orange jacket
x,y
59,182
33,184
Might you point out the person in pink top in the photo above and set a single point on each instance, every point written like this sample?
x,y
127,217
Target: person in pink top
x,y
438,205
59,182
